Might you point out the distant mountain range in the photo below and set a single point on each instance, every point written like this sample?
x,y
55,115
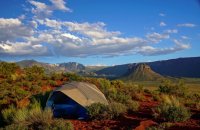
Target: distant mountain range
x,y
29,63
181,67
72,66
63,67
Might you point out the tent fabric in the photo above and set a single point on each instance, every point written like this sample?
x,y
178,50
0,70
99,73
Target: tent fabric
x,y
83,93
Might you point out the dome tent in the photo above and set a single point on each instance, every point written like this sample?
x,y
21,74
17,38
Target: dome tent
x,y
72,99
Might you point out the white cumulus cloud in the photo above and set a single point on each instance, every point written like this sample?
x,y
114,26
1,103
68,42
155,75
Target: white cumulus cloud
x,y
22,49
163,24
45,36
157,37
190,25
42,10
149,50
11,29
161,14
60,5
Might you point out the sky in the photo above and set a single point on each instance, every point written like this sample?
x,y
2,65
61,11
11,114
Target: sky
x,y
99,32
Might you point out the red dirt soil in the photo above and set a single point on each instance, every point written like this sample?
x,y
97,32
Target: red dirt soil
x,y
139,120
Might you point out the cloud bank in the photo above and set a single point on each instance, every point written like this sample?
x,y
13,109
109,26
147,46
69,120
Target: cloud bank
x,y
74,39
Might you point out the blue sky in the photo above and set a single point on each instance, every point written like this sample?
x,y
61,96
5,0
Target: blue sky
x,y
99,32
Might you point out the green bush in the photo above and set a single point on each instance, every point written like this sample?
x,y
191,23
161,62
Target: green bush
x,y
8,114
156,97
73,76
133,106
38,118
16,127
31,115
138,96
52,82
122,97
118,84
173,88
192,104
105,85
154,128
98,111
20,115
116,109
171,110
35,118
165,88
7,69
35,89
60,124
101,111
41,98
34,73
162,126
56,76
26,83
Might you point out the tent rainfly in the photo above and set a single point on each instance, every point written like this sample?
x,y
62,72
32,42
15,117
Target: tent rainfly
x,y
71,99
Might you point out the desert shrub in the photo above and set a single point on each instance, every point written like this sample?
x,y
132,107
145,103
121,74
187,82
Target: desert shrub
x,y
111,93
7,69
116,109
35,88
162,126
193,96
73,76
11,92
173,88
148,91
20,115
51,82
41,98
39,119
154,128
171,110
60,124
105,85
166,125
98,111
140,88
56,76
56,124
34,73
30,115
122,97
156,97
165,88
132,106
15,127
19,93
198,106
40,83
46,77
133,87
26,83
36,118
192,104
138,96
8,114
118,84
101,111
36,112
115,90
